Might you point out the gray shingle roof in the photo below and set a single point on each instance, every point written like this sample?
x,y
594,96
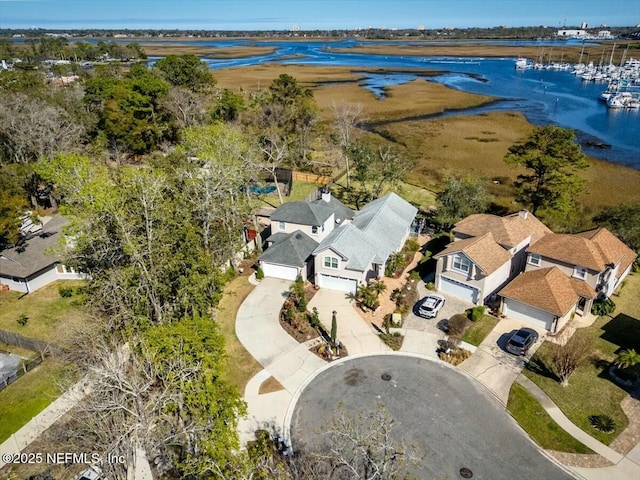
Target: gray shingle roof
x,y
292,251
340,210
375,232
302,213
32,255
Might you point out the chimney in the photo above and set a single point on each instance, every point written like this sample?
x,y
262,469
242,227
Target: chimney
x,y
523,214
326,194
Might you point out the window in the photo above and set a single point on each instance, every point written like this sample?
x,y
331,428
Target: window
x,y
461,263
314,230
580,273
534,259
330,262
282,226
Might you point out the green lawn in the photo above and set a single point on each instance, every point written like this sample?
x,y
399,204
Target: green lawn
x,y
528,412
300,190
478,331
29,395
50,317
413,194
241,366
590,392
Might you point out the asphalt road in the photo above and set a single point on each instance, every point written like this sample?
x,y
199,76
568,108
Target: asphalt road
x,y
454,419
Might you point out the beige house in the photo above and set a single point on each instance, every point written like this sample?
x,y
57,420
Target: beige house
x,y
575,268
546,297
487,252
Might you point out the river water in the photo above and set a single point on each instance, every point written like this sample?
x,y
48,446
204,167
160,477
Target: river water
x,y
544,96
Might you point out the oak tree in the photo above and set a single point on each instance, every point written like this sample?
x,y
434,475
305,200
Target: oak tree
x,y
552,159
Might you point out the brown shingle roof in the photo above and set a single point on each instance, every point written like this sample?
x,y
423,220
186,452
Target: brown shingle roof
x,y
593,249
612,249
547,289
509,230
483,251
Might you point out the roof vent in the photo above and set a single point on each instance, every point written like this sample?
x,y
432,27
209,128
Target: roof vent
x,y
523,214
298,236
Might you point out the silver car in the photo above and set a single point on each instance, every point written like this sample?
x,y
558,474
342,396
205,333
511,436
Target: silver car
x,y
431,305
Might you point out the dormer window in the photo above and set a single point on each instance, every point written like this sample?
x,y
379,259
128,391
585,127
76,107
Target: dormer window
x,y
282,226
330,262
579,272
461,264
314,230
534,259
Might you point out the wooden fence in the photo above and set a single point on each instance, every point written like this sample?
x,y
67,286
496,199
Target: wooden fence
x,y
32,344
311,178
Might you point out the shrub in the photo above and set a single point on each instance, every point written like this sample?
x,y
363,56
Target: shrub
x,y
603,306
474,314
314,318
65,292
457,325
414,275
412,245
259,273
604,423
430,286
22,320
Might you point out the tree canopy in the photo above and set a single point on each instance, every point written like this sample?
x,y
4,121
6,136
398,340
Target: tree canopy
x,y
186,71
623,220
552,158
460,198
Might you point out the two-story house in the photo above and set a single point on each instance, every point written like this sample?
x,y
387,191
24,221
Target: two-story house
x,y
564,273
296,230
336,247
486,253
357,251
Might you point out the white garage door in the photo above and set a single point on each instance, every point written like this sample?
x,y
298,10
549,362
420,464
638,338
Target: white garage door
x,y
526,313
337,283
460,290
279,271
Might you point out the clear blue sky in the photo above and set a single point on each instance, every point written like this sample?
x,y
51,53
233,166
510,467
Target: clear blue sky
x,y
312,14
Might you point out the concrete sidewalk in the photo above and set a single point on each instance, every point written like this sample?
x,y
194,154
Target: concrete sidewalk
x,y
624,468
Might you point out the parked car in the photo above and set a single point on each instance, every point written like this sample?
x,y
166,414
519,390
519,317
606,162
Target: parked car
x,y
431,305
94,472
520,342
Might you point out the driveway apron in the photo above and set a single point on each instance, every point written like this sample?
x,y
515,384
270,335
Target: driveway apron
x,y
353,330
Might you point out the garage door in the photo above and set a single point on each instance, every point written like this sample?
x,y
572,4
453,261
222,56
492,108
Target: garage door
x,y
460,290
279,271
527,313
337,283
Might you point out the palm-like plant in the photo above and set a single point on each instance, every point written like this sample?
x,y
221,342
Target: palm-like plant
x,y
627,359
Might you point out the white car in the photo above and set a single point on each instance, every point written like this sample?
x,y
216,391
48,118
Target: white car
x,y
431,305
92,473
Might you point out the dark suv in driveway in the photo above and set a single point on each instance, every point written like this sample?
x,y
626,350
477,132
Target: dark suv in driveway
x,y
520,342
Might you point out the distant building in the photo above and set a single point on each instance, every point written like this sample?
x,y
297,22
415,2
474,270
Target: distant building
x,y
605,34
572,33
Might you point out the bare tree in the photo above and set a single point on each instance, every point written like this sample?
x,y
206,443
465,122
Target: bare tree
x,y
360,447
186,106
567,358
347,117
31,128
274,148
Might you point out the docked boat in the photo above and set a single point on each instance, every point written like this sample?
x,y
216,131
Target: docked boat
x,y
523,63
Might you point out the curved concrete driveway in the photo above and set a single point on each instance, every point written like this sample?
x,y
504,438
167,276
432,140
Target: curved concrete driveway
x,y
258,329
454,419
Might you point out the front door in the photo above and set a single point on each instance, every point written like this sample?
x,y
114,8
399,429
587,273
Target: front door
x,y
582,303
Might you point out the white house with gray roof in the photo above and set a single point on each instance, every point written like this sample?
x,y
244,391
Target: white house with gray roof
x,y
357,251
350,247
33,262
